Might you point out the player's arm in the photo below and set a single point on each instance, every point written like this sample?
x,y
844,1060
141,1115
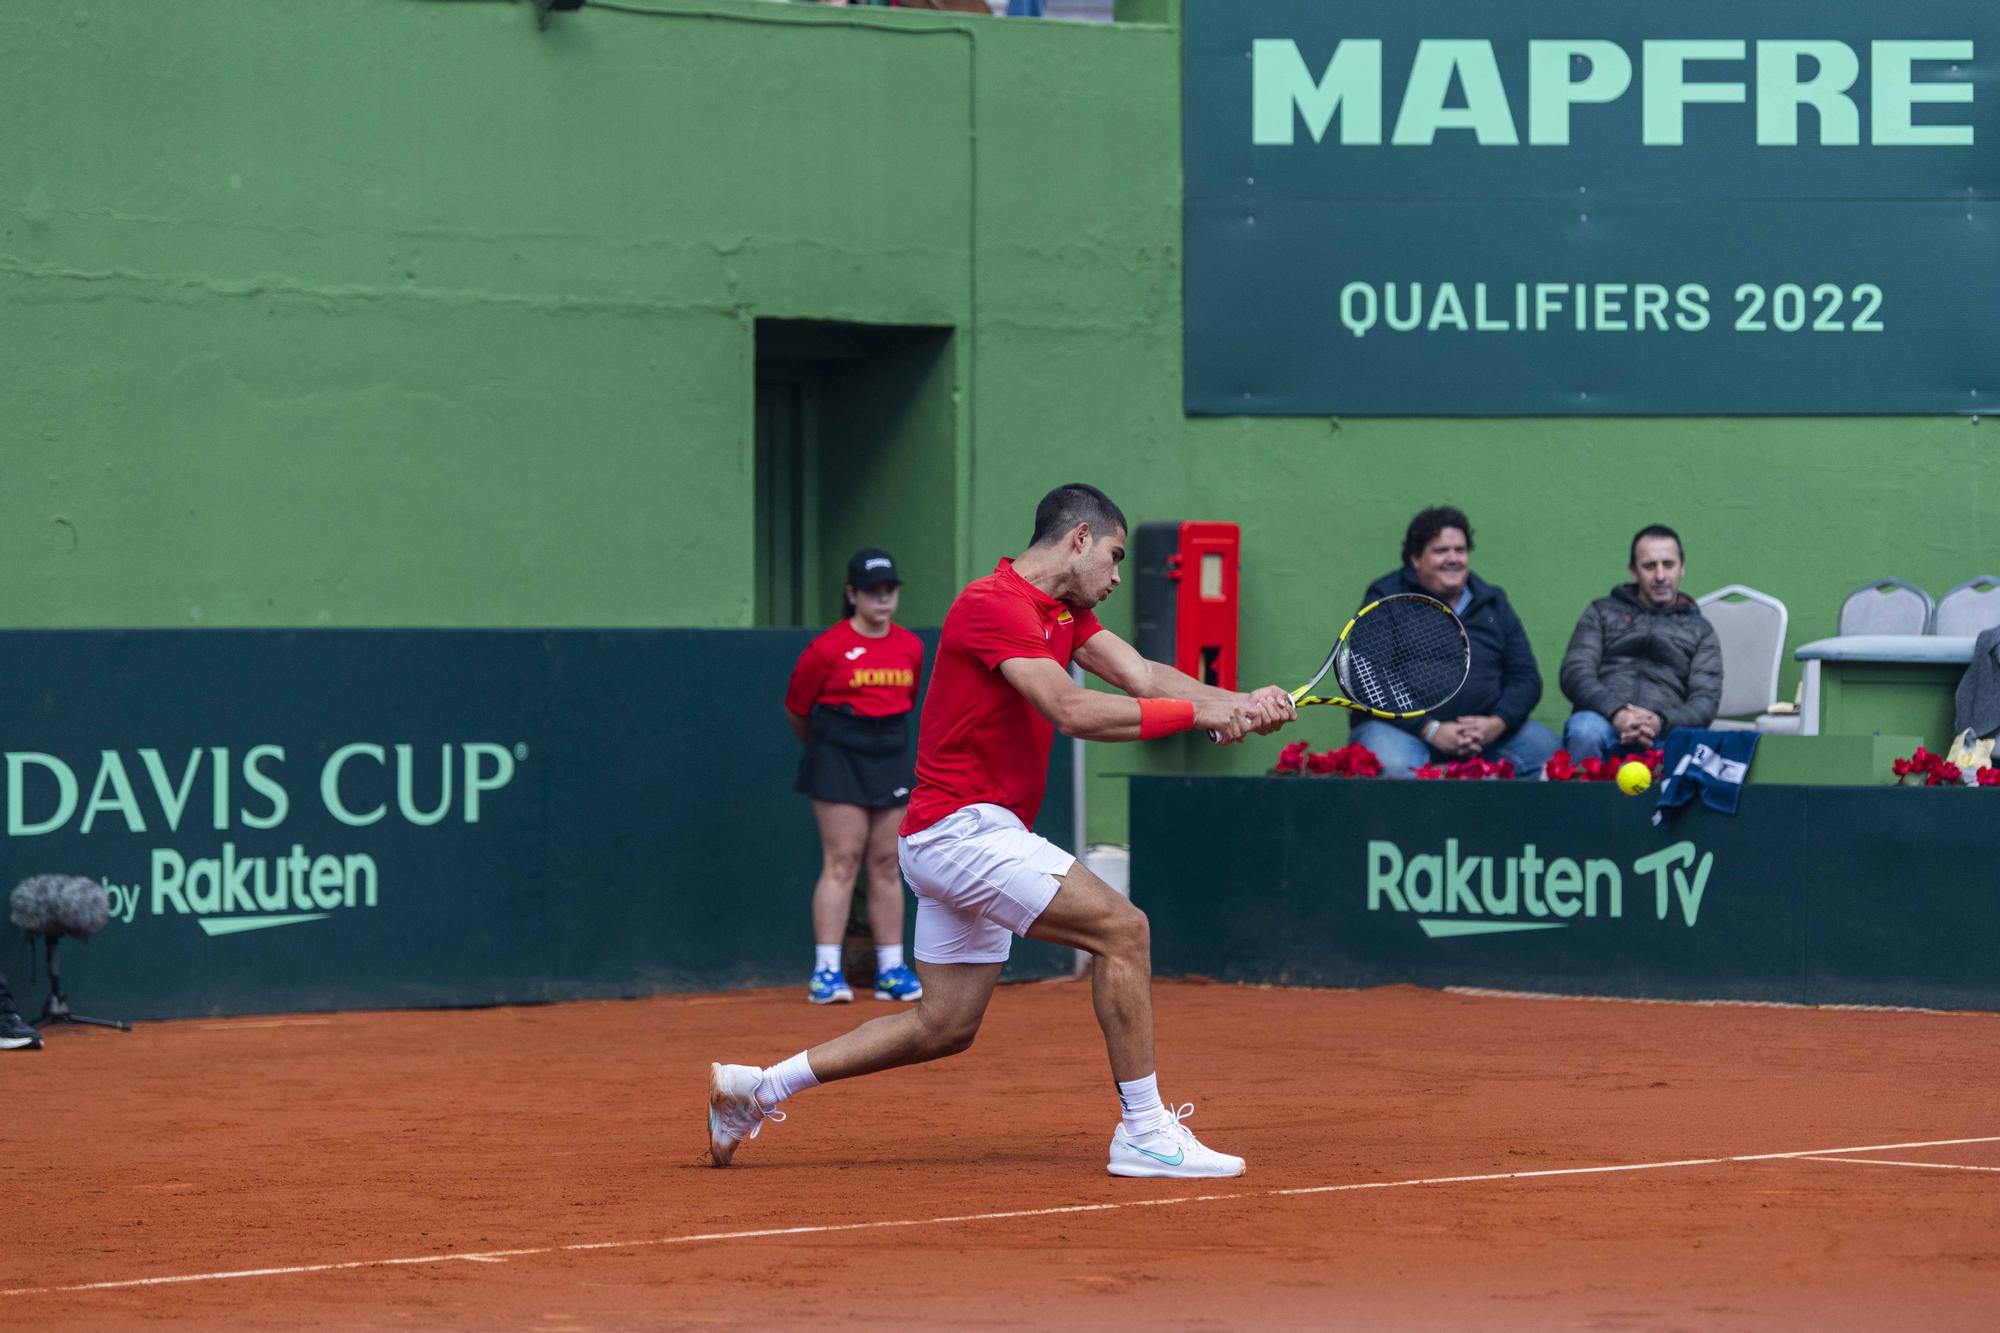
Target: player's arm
x,y
809,675
1120,665
1092,716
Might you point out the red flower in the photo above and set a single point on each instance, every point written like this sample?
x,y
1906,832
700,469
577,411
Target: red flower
x,y
1469,770
1935,772
1352,760
1563,767
1291,759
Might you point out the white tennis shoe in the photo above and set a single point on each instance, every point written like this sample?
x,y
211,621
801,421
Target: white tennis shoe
x,y
1172,1153
734,1113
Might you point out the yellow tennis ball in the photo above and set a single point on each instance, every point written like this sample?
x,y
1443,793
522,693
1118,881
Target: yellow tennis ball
x,y
1634,777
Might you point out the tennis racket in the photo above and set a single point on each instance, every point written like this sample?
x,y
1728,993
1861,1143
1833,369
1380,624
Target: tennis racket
x,y
1399,657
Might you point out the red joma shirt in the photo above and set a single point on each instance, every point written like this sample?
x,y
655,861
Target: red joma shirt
x,y
874,677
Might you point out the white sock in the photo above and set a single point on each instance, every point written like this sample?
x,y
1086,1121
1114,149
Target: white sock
x,y
888,956
1140,1101
826,958
788,1078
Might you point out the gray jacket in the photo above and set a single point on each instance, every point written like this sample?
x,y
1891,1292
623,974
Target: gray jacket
x,y
1979,689
1626,652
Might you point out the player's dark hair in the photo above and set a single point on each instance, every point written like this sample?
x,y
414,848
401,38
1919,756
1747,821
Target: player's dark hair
x,y
1654,530
1428,523
1066,506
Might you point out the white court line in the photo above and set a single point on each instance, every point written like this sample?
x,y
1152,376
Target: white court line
x,y
484,1256
1491,993
238,1025
1883,1161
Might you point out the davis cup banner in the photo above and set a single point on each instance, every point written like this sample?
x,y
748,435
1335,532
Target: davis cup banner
x,y
292,819
1453,207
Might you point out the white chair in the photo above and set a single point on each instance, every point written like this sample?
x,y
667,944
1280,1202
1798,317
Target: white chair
x,y
1969,609
1750,628
1886,606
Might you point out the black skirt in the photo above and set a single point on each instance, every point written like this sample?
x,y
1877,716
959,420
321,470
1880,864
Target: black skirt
x,y
854,760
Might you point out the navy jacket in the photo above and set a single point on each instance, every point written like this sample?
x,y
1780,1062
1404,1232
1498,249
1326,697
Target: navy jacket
x,y
1504,681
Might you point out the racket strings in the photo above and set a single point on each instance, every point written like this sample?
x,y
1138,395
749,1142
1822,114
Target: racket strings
x,y
1406,655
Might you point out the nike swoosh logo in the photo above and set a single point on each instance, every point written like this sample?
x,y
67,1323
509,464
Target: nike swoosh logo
x,y
1180,1155
853,653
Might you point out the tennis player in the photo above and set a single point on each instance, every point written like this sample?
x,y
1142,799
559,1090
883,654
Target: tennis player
x,y
1000,689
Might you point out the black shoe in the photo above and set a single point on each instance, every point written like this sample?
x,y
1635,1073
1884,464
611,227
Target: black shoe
x,y
16,1035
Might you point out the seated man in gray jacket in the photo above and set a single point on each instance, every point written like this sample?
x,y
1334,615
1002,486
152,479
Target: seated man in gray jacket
x,y
1643,660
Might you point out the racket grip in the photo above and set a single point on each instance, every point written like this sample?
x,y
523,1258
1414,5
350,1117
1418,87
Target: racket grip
x,y
1215,736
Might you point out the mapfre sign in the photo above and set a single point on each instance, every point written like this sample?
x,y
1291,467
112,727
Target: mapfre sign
x,y
1458,208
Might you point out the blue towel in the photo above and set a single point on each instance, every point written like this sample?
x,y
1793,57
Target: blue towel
x,y
1711,764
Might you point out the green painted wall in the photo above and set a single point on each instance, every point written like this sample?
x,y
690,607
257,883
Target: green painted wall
x,y
888,427
378,312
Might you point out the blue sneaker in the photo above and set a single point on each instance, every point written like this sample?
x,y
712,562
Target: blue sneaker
x,y
898,983
829,987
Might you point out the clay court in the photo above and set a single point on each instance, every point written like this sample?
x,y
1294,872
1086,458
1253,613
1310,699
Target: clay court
x,y
1417,1160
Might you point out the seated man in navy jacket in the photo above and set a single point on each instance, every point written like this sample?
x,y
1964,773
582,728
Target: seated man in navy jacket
x,y
1489,717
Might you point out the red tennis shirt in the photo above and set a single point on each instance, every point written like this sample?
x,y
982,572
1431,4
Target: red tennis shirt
x,y
980,740
874,677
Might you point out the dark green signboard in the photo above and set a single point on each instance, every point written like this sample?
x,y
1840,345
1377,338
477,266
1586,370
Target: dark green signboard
x,y
1452,207
332,819
1815,895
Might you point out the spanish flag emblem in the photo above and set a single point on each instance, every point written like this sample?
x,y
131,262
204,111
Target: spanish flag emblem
x,y
1063,617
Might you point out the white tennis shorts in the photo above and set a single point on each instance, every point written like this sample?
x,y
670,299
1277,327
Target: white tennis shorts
x,y
981,877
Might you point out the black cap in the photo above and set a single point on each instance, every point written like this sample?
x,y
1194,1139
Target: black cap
x,y
869,568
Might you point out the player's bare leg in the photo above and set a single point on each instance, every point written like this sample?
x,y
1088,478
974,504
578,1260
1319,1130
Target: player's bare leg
x,y
1150,1140
885,879
893,978
843,840
943,1022
1089,914
843,837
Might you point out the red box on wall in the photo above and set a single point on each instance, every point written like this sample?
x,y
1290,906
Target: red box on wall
x,y
1187,607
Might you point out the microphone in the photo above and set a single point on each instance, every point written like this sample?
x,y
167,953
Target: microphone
x,y
55,907
59,905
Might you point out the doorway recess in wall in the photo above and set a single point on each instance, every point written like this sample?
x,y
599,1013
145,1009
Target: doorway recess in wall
x,y
856,446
